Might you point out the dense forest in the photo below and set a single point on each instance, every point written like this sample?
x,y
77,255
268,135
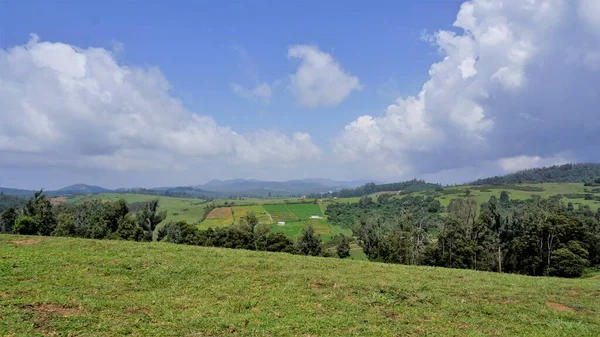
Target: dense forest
x,y
568,173
370,188
532,237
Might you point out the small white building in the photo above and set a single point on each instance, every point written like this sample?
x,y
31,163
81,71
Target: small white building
x,y
281,223
315,217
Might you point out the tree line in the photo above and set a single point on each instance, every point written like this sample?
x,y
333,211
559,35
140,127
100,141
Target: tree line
x,y
532,237
370,188
116,220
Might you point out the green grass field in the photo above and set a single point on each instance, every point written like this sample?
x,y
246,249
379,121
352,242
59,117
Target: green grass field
x,y
76,287
280,212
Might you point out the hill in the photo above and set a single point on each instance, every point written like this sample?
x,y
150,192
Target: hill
x,y
370,188
68,286
81,189
568,173
259,188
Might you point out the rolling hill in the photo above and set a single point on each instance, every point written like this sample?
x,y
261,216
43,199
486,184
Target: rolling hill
x,y
64,286
568,173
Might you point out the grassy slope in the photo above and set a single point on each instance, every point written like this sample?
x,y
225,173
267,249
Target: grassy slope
x,y
550,189
109,288
190,210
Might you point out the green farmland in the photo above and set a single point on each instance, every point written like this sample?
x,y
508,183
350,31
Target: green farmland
x,y
78,287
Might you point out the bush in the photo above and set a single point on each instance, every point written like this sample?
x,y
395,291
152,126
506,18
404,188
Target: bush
x,y
26,225
568,264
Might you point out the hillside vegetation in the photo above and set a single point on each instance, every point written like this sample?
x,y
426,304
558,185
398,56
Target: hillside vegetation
x,y
568,173
62,286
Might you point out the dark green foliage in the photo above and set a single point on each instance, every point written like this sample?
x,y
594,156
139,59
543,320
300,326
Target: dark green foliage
x,y
514,236
309,243
128,229
566,263
348,214
568,173
7,220
148,217
26,225
40,209
343,246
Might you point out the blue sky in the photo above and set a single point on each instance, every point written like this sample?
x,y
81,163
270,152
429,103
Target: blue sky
x,y
409,88
196,44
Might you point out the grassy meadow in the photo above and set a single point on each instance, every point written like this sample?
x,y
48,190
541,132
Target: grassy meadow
x,y
77,287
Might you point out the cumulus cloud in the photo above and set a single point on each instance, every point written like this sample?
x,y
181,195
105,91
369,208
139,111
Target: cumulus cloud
x,y
261,92
73,107
319,79
517,80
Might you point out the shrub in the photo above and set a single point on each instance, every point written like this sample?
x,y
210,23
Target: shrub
x,y
26,225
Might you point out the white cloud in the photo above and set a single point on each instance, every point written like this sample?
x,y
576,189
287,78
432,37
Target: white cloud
x,y
523,162
319,79
261,92
515,79
63,105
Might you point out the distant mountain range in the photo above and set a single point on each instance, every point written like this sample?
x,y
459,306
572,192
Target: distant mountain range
x,y
214,188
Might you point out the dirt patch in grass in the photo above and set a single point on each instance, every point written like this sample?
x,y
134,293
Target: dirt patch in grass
x,y
27,242
559,307
220,213
52,309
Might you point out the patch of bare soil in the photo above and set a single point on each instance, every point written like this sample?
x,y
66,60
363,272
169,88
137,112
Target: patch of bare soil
x,y
27,242
219,213
58,200
53,309
47,311
559,307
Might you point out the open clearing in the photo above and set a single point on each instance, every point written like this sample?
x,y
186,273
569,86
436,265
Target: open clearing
x,y
68,286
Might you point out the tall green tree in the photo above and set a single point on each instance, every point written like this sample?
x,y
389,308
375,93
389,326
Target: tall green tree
x,y
7,220
148,217
309,243
343,246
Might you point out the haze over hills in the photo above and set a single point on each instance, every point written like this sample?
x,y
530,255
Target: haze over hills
x,y
214,188
580,172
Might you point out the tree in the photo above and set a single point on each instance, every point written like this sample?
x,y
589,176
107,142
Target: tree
x,y
251,220
7,220
504,198
309,243
148,217
343,247
128,229
566,263
26,225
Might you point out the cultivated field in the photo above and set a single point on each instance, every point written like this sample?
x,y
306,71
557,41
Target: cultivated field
x,y
63,286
